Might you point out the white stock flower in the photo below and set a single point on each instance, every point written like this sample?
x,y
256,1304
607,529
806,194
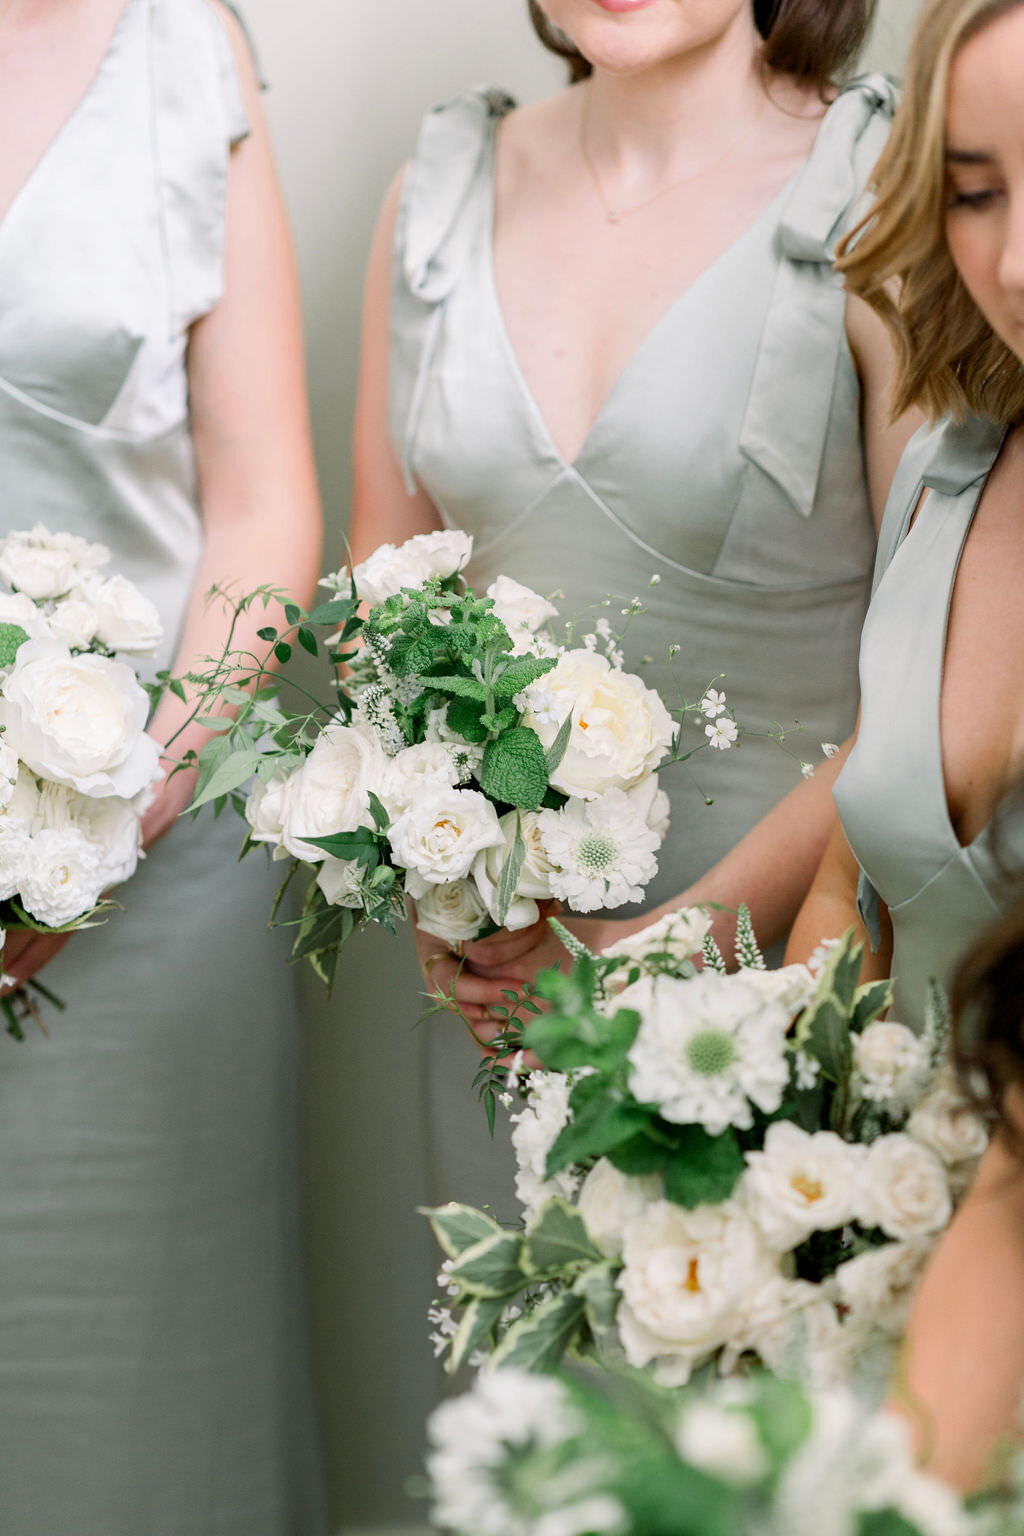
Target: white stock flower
x,y
802,1182
679,934
62,877
339,880
945,1124
722,733
389,569
904,1188
440,835
878,1286
687,1279
602,851
722,1441
15,608
706,1049
126,620
330,793
264,809
609,1200
521,610
534,1132
42,564
414,771
535,880
452,912
73,621
621,729
78,719
891,1063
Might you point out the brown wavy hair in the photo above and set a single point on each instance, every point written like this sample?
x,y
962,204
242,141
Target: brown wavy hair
x,y
812,40
949,360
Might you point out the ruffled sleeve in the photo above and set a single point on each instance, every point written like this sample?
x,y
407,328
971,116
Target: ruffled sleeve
x,y
790,402
444,184
198,116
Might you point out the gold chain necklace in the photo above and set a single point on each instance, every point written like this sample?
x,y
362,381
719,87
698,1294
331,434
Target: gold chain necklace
x,y
616,215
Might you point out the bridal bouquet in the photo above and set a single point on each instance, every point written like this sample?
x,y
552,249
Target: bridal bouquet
x,y
466,760
76,764
716,1166
562,1456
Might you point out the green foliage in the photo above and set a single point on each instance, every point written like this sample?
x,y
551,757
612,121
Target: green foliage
x,y
539,1340
477,1327
557,749
514,769
508,880
556,1240
458,1227
465,718
518,674
363,846
492,1266
221,770
12,638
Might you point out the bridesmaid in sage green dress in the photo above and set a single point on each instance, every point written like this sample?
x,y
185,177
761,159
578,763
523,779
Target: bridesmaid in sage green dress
x,y
154,1371
603,335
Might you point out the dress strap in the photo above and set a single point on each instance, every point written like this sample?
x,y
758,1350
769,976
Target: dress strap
x,y
790,401
434,232
198,115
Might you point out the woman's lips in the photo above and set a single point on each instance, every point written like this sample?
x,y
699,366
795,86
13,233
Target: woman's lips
x,y
621,6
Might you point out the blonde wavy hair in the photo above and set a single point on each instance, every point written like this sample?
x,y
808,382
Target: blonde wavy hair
x,y
949,361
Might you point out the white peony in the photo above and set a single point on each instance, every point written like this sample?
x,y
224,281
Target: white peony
x,y
440,835
651,801
330,793
801,1183
602,851
878,1286
414,771
904,1188
339,879
609,1200
945,1124
126,620
891,1063
452,912
42,564
264,809
79,719
73,621
521,610
722,1441
18,609
535,879
679,934
534,1132
621,729
62,878
706,1049
17,819
686,1282
389,569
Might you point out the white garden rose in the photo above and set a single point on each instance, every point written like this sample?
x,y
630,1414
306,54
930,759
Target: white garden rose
x,y
339,880
442,553
802,1182
264,809
791,986
945,1124
440,835
42,564
706,1049
609,1201
534,1132
792,1326
416,770
18,609
621,729
62,878
904,1188
453,912
73,621
679,934
891,1063
126,620
878,1286
534,881
8,774
390,569
686,1281
521,610
79,719
330,793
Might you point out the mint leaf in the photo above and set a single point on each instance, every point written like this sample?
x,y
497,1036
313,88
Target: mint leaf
x,y
520,673
703,1170
12,637
514,769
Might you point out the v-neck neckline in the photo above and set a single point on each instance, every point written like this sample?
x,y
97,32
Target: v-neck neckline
x,y
664,319
55,143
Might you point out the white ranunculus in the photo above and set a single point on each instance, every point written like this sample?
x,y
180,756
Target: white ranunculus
x,y
8,774
904,1188
62,877
679,934
15,608
453,912
73,621
791,986
440,835
878,1286
126,620
534,1132
722,1441
891,1062
390,569
944,1123
706,1049
42,564
802,1182
330,793
609,1200
653,804
521,610
264,809
79,719
686,1281
621,729
414,771
339,880
534,881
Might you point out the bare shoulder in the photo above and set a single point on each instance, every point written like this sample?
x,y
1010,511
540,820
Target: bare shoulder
x,y
531,133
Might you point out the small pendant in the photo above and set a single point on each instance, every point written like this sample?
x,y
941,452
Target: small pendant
x,y
613,217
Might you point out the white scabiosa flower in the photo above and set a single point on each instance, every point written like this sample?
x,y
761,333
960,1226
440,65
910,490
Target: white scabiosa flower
x,y
721,734
453,912
609,1201
877,1287
534,1132
686,1281
602,852
891,1063
440,835
62,876
535,879
679,934
802,1182
904,1189
43,565
707,1049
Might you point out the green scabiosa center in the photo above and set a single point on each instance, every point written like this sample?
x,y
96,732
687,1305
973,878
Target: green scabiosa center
x,y
710,1052
596,852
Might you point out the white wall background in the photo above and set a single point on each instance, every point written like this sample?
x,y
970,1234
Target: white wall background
x,y
350,80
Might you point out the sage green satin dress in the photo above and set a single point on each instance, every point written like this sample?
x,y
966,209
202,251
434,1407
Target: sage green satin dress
x,y
941,894
727,460
154,1372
